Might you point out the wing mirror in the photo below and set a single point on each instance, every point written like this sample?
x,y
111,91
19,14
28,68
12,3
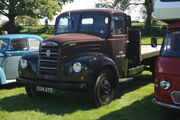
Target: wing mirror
x,y
154,42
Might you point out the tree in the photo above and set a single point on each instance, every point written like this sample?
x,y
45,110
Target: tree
x,y
62,2
149,5
117,4
124,5
26,20
32,8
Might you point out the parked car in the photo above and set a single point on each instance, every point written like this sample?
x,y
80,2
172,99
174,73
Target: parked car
x,y
167,72
12,47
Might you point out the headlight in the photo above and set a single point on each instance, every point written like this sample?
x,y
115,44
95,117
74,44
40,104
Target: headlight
x,y
77,67
23,63
165,84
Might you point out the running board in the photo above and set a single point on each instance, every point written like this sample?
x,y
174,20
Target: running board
x,y
122,80
136,70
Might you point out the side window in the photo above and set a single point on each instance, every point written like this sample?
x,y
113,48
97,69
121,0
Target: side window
x,y
19,45
34,44
117,25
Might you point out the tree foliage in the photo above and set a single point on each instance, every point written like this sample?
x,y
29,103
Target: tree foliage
x,y
115,4
124,5
149,5
27,21
32,8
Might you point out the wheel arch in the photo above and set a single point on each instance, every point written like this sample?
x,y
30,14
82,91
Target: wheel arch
x,y
114,72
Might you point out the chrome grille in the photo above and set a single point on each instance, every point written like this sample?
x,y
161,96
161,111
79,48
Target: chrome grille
x,y
49,57
176,97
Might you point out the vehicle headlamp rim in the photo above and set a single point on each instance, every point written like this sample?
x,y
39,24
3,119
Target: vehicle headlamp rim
x,y
23,63
167,81
77,67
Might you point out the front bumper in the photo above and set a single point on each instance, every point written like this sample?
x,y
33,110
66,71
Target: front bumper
x,y
55,84
170,106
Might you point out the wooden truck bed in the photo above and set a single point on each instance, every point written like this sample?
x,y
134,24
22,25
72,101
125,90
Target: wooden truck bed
x,y
147,51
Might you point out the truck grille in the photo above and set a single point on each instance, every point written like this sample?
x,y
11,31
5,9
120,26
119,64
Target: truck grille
x,y
176,97
49,57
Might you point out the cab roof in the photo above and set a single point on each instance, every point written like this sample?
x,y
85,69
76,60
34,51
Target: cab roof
x,y
108,11
15,36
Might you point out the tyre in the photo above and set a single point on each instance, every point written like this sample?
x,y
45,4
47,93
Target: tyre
x,y
104,88
31,92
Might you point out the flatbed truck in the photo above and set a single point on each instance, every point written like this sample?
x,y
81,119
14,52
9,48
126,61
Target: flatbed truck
x,y
92,50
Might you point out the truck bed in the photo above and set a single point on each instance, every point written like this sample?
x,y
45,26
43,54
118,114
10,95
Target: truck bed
x,y
147,51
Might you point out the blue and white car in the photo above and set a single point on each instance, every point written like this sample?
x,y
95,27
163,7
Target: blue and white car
x,y
12,47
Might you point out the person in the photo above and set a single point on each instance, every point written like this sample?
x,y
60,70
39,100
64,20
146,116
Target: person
x,y
4,32
46,23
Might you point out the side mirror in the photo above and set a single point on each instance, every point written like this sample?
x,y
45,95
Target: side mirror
x,y
154,42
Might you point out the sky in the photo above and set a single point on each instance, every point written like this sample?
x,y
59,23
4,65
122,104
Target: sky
x,y
84,4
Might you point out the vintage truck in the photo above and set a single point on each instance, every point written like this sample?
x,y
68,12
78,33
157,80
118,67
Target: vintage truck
x,y
92,50
12,47
167,70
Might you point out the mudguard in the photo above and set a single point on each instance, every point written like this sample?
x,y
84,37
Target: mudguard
x,y
31,70
95,63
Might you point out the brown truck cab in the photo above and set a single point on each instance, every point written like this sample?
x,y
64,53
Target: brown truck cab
x,y
92,50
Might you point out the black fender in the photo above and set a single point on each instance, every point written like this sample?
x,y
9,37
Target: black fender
x,y
32,68
94,63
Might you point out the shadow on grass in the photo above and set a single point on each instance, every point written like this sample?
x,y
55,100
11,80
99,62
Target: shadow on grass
x,y
63,102
141,110
60,104
139,81
10,86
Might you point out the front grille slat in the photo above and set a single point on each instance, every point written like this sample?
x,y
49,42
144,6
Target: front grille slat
x,y
49,57
48,68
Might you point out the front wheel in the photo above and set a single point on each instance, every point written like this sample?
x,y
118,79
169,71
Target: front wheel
x,y
104,88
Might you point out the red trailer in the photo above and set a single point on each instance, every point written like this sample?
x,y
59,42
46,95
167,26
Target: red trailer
x,y
167,70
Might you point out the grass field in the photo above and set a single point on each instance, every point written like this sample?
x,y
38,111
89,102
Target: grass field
x,y
133,103
147,40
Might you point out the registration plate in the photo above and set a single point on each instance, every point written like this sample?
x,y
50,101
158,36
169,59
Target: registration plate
x,y
45,89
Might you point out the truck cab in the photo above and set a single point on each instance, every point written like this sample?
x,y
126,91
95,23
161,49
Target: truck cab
x,y
92,50
167,73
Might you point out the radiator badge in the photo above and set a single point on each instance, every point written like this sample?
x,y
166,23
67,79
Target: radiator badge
x,y
48,53
50,44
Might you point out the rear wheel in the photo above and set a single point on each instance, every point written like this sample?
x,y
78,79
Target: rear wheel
x,y
104,88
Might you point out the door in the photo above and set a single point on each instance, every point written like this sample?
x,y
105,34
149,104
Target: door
x,y
118,42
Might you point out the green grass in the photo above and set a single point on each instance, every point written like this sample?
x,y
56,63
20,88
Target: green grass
x,y
133,103
143,24
45,35
147,40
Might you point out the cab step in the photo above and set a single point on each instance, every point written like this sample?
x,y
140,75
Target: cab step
x,y
122,80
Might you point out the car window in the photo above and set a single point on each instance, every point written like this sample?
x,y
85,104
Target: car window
x,y
117,25
34,44
3,44
19,45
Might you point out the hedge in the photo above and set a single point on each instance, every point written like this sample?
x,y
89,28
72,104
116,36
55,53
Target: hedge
x,y
145,31
151,31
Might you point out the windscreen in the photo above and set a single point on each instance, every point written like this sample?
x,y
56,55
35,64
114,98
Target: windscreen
x,y
89,23
171,45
